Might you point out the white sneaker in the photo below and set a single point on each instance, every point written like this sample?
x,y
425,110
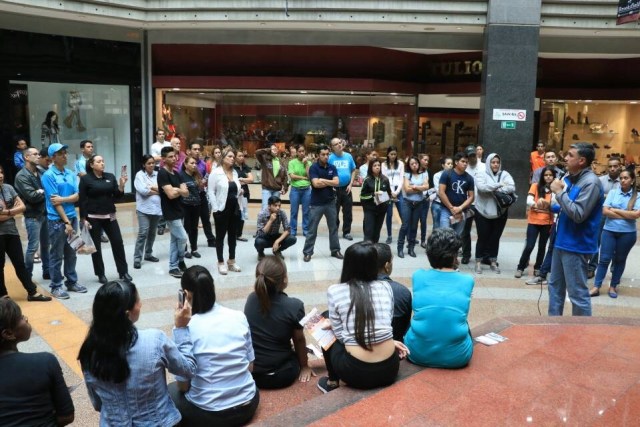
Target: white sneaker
x,y
222,269
234,267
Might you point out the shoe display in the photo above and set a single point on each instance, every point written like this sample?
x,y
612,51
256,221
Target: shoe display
x,y
160,231
233,267
103,279
175,272
337,254
104,239
59,293
182,266
348,236
75,287
137,265
126,277
195,254
518,274
325,386
222,269
307,258
151,258
38,297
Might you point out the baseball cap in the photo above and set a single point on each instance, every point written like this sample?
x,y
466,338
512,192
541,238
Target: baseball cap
x,y
470,150
54,148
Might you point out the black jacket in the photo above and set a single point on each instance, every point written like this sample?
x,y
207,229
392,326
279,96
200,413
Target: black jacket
x,y
98,195
27,186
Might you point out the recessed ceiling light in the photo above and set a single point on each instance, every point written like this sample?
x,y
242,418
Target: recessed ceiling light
x,y
176,88
588,100
458,28
560,100
393,93
633,102
303,91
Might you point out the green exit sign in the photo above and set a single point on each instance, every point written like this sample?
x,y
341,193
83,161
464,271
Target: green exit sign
x,y
507,125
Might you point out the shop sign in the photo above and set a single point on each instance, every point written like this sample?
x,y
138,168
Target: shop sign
x,y
507,125
505,114
628,11
456,68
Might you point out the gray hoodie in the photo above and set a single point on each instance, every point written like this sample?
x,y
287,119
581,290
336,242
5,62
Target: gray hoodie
x,y
487,183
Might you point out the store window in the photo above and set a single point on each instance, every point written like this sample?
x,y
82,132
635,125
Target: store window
x,y
611,126
99,113
253,120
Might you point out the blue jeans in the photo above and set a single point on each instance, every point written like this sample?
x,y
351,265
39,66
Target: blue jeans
x,y
37,233
614,247
569,275
411,211
445,223
266,193
61,251
299,196
390,213
328,210
423,220
436,207
177,244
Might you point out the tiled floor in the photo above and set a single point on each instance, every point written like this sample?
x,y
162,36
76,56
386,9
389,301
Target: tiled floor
x,y
545,371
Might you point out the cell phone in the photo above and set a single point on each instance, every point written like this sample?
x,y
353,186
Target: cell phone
x,y
181,295
123,170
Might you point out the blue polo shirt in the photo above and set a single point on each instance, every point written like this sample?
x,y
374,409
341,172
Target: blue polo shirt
x,y
57,183
322,196
620,200
344,165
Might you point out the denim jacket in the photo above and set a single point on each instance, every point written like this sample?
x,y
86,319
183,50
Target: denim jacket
x,y
143,399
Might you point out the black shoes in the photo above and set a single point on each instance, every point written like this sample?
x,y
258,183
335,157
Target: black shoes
x,y
348,236
126,277
187,255
307,258
465,260
337,254
423,245
38,297
137,265
400,253
411,253
46,276
151,258
160,231
196,254
211,243
102,279
182,266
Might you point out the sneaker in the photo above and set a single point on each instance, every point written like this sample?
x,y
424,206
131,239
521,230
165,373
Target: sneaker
x,y
537,280
59,293
518,274
175,272
222,269
182,266
75,287
325,386
233,267
151,258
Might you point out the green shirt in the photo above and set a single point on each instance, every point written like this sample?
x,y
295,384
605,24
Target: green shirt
x,y
296,167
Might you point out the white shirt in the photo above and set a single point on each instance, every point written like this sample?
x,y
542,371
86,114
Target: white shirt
x,y
147,203
218,188
395,176
223,351
156,147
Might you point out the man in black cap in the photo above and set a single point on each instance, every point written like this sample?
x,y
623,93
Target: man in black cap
x,y
474,167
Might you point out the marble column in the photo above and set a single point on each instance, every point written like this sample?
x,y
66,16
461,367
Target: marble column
x,y
510,59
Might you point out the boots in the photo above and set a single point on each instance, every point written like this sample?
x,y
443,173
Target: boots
x,y
411,252
400,253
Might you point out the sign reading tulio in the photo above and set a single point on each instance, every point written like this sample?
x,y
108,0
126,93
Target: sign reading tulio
x,y
628,11
502,114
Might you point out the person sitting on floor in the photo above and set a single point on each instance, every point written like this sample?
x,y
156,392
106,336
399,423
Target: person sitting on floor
x,y
270,220
364,355
401,295
439,335
274,320
32,390
222,392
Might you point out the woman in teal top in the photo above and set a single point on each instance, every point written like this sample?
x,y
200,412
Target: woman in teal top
x,y
439,335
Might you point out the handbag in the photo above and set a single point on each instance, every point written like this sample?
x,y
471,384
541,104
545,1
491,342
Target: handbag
x,y
504,200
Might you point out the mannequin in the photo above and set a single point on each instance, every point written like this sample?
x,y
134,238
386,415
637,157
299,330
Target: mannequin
x,y
50,130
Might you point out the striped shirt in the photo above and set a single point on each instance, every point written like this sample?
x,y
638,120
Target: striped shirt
x,y
339,300
281,220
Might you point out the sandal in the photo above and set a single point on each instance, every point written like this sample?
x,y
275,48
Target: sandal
x,y
595,292
612,292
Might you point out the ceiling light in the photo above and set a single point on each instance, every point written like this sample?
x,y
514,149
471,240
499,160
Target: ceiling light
x,y
176,88
393,93
458,28
303,91
429,28
633,102
588,100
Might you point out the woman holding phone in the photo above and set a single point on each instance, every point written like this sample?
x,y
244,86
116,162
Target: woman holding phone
x,y
98,192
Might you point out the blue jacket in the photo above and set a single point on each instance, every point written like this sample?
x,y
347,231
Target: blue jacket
x,y
580,213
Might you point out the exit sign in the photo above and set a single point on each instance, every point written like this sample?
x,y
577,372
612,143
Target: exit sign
x,y
507,125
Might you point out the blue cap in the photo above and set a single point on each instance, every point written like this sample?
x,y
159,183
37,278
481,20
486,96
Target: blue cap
x,y
54,148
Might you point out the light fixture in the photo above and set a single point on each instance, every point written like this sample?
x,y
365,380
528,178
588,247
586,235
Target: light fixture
x,y
458,28
633,102
303,91
393,93
588,100
429,28
176,88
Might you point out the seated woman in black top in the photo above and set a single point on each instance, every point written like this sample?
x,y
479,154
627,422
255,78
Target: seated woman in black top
x,y
32,389
98,191
274,321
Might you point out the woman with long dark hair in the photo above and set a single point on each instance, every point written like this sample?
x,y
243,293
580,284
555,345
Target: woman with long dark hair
x,y
125,368
416,182
50,130
98,193
274,320
148,210
539,220
223,190
372,198
191,204
364,354
393,169
222,391
621,209
32,390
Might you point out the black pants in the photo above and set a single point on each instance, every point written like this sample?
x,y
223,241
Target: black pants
x,y
489,234
10,244
282,377
205,218
533,231
193,416
191,215
374,216
345,201
112,230
264,242
358,374
227,222
466,234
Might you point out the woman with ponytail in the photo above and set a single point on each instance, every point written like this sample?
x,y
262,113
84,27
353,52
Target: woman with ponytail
x,y
124,368
364,354
274,320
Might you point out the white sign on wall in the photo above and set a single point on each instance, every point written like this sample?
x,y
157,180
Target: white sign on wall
x,y
503,114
